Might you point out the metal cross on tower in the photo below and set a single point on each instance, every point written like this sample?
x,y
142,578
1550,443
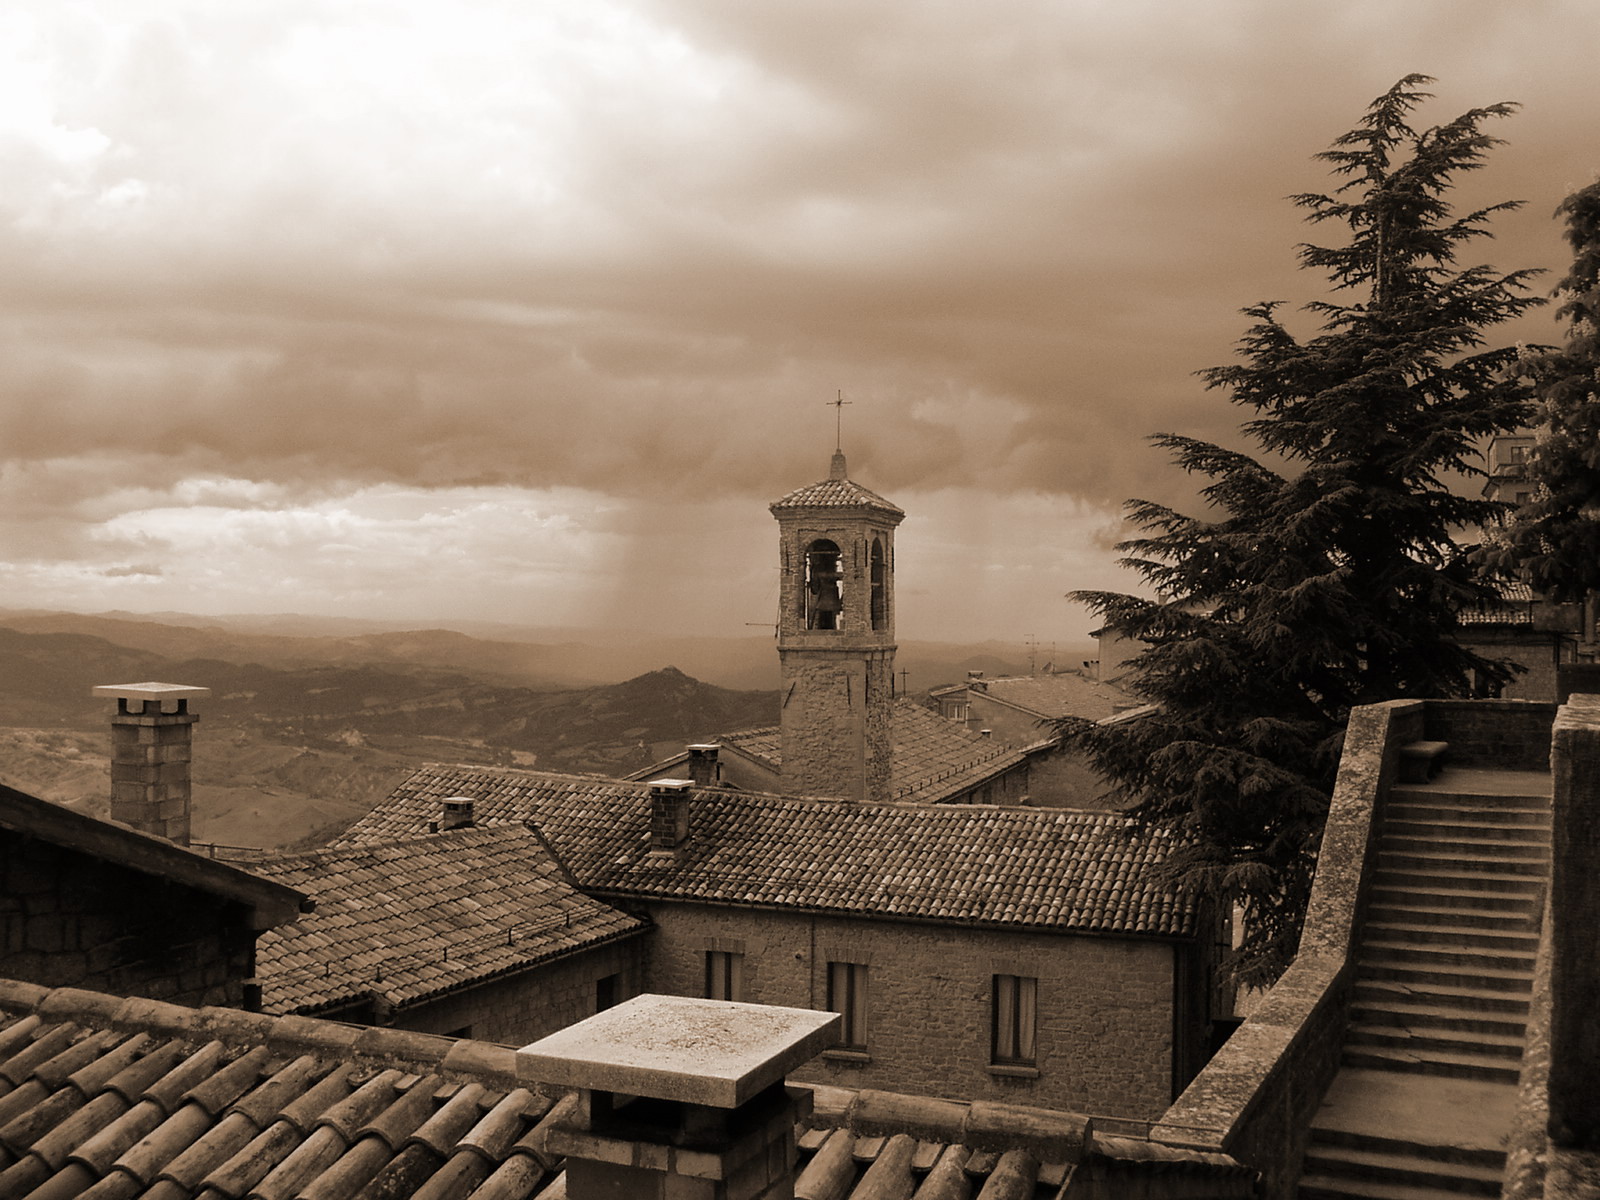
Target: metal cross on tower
x,y
838,419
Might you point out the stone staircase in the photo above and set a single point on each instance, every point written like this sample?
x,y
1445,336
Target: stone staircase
x,y
1444,971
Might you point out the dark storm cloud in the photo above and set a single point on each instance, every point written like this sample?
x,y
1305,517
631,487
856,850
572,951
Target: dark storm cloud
x,y
633,249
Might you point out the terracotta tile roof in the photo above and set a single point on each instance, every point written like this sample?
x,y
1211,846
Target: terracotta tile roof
x,y
1065,695
835,493
862,1143
116,1098
408,920
1056,869
1515,607
934,759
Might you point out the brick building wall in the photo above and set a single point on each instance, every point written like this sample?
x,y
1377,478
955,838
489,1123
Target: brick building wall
x,y
71,919
1105,1005
522,1008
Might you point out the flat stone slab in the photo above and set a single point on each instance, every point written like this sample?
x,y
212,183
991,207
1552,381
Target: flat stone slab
x,y
712,1052
150,691
1433,1110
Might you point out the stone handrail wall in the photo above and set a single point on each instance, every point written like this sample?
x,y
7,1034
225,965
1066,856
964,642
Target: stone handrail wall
x,y
1254,1100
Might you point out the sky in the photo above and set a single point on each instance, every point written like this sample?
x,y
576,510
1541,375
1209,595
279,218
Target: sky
x,y
526,311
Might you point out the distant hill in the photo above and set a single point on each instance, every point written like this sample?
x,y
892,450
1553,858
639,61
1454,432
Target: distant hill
x,y
544,660
282,752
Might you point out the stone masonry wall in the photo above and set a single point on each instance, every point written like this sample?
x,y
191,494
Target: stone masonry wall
x,y
836,722
71,920
522,1008
1511,734
1104,1004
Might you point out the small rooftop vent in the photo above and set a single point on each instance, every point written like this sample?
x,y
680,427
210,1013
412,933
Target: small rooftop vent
x,y
458,813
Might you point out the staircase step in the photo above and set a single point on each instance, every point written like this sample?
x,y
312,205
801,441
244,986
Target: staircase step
x,y
1445,842
1331,1187
1466,831
1347,1164
1510,905
1462,995
1441,810
1408,794
1478,1156
1521,888
1436,862
1517,982
1386,950
1426,1042
1421,1015
1465,937
1459,1064
1397,911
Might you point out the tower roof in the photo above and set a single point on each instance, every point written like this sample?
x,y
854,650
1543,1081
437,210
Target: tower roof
x,y
836,491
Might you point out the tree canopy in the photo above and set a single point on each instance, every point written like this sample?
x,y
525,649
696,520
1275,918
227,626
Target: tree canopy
x,y
1554,541
1322,573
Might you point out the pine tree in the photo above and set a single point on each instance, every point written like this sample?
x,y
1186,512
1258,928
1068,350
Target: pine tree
x,y
1323,574
1553,542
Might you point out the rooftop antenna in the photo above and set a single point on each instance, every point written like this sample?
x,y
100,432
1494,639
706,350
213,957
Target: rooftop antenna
x,y
1033,654
838,420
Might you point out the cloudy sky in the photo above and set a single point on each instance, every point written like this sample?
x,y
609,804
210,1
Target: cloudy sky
x,y
524,311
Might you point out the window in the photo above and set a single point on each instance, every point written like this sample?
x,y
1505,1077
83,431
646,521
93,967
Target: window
x,y
1015,1020
847,995
880,587
824,601
607,991
724,975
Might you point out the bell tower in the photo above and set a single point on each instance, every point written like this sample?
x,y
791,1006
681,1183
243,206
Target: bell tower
x,y
836,637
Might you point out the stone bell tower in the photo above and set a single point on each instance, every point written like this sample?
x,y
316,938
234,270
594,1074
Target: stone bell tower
x,y
836,637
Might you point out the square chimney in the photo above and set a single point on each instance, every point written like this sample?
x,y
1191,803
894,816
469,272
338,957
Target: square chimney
x,y
705,767
669,814
150,754
680,1099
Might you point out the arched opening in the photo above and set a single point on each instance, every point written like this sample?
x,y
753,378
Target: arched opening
x,y
880,587
824,595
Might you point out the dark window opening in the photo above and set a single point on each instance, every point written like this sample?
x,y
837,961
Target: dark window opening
x,y
607,991
847,995
724,975
824,595
880,587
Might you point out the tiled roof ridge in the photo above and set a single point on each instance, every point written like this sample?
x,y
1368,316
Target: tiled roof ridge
x,y
465,836
734,793
456,1059
1049,1134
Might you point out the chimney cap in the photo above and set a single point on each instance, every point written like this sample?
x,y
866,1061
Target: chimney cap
x,y
150,691
671,785
705,747
712,1052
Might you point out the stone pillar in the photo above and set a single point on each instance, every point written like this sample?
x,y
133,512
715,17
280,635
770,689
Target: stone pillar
x,y
1574,914
150,754
680,1099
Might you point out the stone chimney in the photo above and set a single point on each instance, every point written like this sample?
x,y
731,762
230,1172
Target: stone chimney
x,y
669,813
705,768
150,756
678,1098
457,813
